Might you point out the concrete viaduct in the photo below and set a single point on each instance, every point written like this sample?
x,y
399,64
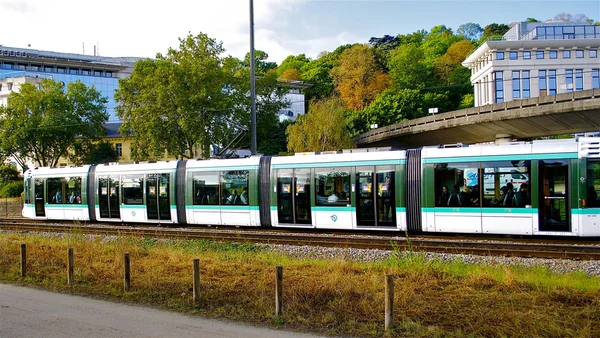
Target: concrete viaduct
x,y
566,113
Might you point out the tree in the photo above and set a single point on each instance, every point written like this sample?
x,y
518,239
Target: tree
x,y
101,152
448,68
567,17
292,62
179,102
45,124
322,129
261,65
437,42
358,78
8,173
317,73
495,29
292,74
408,69
471,31
532,20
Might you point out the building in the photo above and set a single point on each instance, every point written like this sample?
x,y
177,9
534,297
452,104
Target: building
x,y
535,59
295,96
100,71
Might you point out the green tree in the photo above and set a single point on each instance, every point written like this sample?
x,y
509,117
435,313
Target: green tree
x,y
532,20
179,102
448,68
408,68
494,29
324,128
358,77
100,152
292,62
471,31
262,66
46,124
8,173
317,73
437,42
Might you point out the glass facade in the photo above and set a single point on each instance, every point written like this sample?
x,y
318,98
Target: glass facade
x,y
498,76
595,78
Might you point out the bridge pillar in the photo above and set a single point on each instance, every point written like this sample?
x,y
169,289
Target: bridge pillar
x,y
501,138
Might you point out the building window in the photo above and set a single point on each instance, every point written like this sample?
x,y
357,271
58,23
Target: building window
x,y
10,86
108,74
566,54
578,79
60,70
553,54
579,53
527,55
525,80
569,79
499,55
85,72
516,84
543,87
7,66
593,53
552,82
595,78
49,69
97,73
73,71
499,87
539,54
119,148
514,55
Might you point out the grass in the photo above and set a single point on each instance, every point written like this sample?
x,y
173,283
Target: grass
x,y
334,297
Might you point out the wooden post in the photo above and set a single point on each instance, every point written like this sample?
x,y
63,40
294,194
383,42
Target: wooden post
x,y
23,260
279,291
127,274
196,281
70,267
389,302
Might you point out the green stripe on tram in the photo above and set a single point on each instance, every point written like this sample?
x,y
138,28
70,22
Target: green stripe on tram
x,y
516,157
338,164
459,210
592,211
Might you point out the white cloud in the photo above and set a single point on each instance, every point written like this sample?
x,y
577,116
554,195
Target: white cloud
x,y
143,28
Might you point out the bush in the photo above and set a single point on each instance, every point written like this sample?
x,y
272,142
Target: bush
x,y
12,189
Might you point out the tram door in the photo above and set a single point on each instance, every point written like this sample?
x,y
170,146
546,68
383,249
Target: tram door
x,y
158,204
554,196
38,192
375,196
293,196
108,196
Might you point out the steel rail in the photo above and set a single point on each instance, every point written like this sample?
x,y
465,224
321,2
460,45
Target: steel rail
x,y
559,251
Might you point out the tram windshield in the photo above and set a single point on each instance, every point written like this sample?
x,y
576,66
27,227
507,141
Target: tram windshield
x,y
593,183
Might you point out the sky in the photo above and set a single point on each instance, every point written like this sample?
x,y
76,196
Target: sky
x,y
281,27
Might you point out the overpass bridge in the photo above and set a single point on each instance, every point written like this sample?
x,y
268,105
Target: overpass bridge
x,y
567,113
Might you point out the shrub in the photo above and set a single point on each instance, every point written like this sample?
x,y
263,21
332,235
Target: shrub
x,y
12,189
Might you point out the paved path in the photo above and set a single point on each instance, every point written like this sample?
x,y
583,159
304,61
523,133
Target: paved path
x,y
28,312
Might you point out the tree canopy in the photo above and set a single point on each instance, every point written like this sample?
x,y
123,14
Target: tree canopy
x,y
48,123
323,129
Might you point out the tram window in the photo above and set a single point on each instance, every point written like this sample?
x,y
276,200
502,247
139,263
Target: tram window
x,y
55,190
457,185
506,184
593,183
27,191
206,188
234,187
132,188
332,186
73,190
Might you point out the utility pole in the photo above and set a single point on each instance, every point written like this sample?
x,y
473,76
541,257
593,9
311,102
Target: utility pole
x,y
252,84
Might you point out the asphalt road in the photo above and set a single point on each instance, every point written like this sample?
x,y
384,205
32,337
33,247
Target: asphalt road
x,y
28,312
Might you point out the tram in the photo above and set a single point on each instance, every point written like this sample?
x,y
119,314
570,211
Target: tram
x,y
546,187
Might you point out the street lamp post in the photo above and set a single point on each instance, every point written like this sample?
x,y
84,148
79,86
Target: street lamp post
x,y
252,84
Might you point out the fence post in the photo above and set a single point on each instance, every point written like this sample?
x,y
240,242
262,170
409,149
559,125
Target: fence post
x,y
23,260
279,291
70,267
389,302
196,281
127,274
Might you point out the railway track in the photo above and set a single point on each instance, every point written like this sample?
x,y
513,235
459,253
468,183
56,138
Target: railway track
x,y
446,245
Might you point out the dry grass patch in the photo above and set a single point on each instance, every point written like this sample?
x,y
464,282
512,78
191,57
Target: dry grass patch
x,y
337,297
